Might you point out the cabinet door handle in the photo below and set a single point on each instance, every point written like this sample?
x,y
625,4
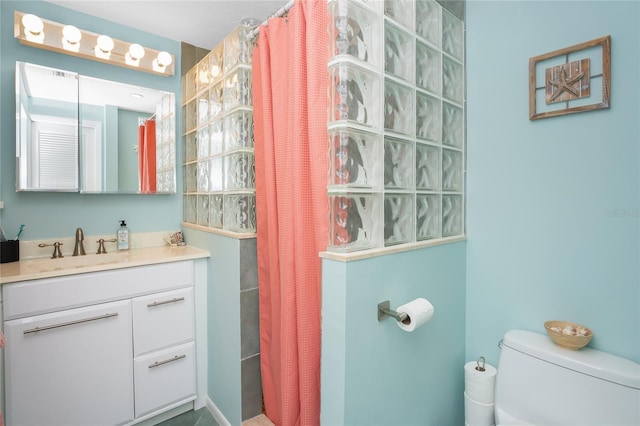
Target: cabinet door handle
x,y
65,324
164,302
166,361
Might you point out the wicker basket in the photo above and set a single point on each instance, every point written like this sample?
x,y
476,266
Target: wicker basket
x,y
569,341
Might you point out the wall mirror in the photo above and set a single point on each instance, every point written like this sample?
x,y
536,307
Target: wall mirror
x,y
78,133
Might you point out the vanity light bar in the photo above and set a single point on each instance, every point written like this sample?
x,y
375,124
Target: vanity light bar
x,y
34,31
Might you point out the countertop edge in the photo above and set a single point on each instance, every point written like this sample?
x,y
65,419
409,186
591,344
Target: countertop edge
x,y
33,269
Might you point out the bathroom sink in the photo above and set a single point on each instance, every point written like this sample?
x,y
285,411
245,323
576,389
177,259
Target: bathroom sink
x,y
43,265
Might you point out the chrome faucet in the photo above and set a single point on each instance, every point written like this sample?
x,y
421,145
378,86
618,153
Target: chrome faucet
x,y
79,248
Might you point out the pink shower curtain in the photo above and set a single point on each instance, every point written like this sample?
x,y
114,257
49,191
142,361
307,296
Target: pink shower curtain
x,y
147,156
290,120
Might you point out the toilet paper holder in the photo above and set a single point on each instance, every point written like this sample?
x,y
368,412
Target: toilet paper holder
x,y
384,311
479,367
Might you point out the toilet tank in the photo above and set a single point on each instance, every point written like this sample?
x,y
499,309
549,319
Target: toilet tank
x,y
540,383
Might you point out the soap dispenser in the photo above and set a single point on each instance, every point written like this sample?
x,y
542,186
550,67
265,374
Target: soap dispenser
x,y
123,236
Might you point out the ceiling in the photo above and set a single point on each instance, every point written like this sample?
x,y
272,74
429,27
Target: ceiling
x,y
64,86
202,23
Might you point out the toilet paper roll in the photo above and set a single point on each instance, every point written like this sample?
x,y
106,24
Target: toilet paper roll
x,y
478,414
479,385
419,311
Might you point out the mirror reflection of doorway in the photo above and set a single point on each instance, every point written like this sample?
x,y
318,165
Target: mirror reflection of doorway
x,y
54,155
92,174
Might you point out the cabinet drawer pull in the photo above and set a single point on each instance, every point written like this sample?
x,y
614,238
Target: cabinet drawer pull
x,y
65,324
166,361
164,302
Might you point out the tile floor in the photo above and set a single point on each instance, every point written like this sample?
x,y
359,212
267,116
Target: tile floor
x,y
203,417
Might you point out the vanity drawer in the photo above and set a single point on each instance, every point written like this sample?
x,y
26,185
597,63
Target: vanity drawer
x,y
163,319
54,294
164,377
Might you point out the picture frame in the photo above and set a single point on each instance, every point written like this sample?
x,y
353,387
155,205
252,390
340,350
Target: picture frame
x,y
565,86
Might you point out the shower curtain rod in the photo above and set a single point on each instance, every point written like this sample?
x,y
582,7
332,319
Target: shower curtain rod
x,y
279,13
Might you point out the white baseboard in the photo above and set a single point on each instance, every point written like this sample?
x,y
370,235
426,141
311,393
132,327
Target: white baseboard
x,y
217,414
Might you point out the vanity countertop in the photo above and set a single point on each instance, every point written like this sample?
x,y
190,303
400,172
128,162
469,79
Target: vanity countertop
x,y
31,269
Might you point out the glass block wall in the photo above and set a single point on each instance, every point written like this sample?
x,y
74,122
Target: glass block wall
x,y
218,172
396,123
166,144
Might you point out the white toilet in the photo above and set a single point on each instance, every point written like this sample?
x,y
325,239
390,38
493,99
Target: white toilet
x,y
540,383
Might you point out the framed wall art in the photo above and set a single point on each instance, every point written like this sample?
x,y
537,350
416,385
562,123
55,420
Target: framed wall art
x,y
570,80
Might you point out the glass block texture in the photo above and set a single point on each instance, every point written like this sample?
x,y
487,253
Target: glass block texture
x,y
427,167
428,68
354,221
452,36
451,170
239,171
428,117
216,211
398,219
398,163
354,159
429,21
237,48
354,95
166,144
396,123
354,30
239,212
452,125
398,108
398,52
218,170
238,132
452,80
237,88
401,11
427,216
452,215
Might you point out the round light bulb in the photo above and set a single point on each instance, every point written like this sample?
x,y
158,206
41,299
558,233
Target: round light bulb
x,y
136,51
71,34
32,24
164,59
105,43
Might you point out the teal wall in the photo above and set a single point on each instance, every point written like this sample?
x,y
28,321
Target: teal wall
x,y
552,205
223,321
41,106
374,373
54,215
552,217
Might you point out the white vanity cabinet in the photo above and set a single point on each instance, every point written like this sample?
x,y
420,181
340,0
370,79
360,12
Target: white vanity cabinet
x,y
102,348
71,366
